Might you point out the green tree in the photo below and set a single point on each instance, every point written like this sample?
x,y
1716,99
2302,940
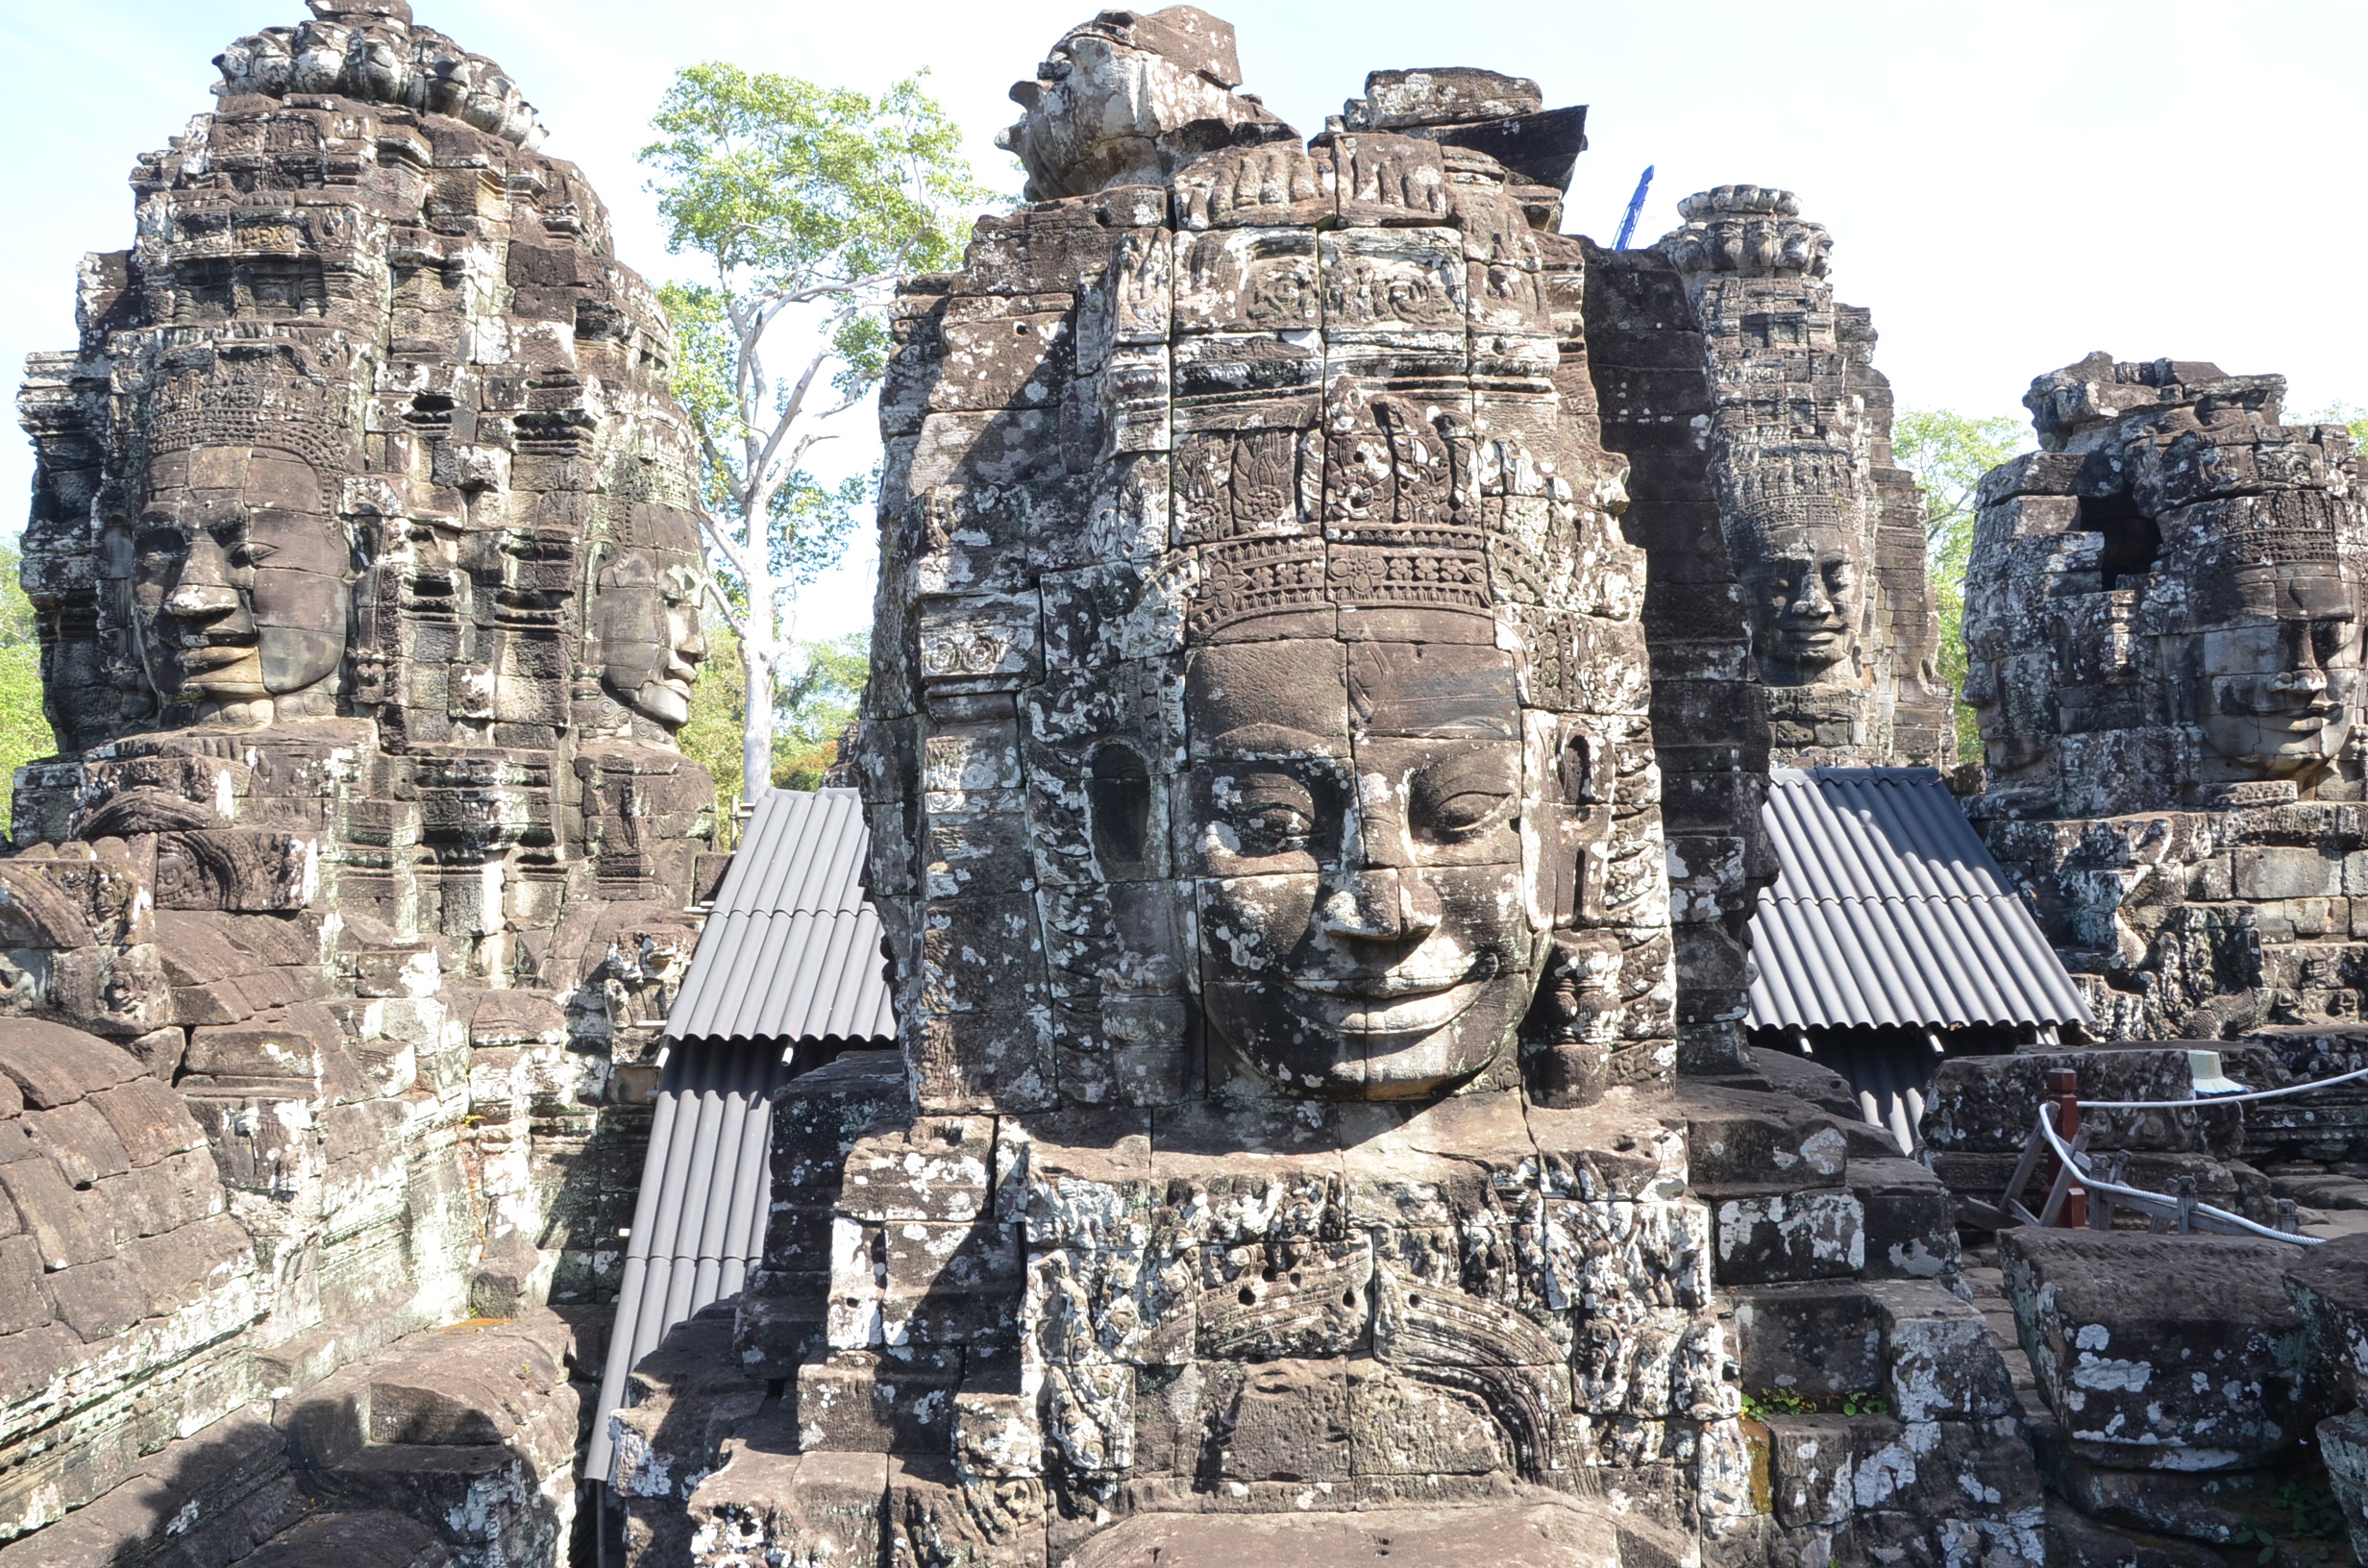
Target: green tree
x,y
812,707
24,732
2348,414
806,204
1948,453
816,706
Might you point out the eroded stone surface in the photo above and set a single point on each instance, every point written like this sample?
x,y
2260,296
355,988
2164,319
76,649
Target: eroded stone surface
x,y
2167,1353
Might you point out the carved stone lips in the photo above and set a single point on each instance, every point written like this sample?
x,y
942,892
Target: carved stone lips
x,y
1418,1014
1395,1003
200,654
1814,636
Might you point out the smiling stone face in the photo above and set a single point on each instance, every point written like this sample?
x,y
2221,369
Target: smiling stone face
x,y
1354,815
2278,690
1808,599
239,577
650,642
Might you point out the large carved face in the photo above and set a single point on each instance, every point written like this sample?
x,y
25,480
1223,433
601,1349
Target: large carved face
x,y
1103,110
2278,690
647,614
1808,599
1354,815
239,577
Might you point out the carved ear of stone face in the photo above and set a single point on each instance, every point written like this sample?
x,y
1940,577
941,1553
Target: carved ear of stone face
x,y
1354,820
2278,690
239,580
647,619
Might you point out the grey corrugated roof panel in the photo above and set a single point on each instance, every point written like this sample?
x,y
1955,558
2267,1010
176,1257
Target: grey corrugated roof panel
x,y
1888,909
699,1217
792,949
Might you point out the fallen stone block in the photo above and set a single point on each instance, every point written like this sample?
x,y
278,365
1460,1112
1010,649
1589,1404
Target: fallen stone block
x,y
2166,1352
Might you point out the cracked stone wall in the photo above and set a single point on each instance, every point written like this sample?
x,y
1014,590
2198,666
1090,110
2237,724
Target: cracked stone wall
x,y
366,568
2165,655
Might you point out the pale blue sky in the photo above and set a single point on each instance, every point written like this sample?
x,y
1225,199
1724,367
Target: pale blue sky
x,y
2009,183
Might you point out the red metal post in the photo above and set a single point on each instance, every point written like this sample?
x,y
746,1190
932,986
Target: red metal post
x,y
2063,1088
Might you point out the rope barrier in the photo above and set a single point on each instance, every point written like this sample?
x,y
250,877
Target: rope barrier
x,y
2221,1099
2137,1197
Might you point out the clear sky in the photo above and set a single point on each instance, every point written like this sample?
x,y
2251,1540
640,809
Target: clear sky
x,y
2011,183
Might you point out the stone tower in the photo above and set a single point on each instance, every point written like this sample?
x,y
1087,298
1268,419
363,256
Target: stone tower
x,y
366,570
1826,533
2163,626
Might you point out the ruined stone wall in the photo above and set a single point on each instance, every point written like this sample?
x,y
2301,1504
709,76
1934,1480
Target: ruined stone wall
x,y
366,568
2163,624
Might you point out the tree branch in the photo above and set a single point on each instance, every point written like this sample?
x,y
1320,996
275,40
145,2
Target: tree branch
x,y
723,542
731,617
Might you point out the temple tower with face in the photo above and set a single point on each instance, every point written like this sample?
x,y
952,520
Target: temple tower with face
x,y
2163,619
365,561
1825,533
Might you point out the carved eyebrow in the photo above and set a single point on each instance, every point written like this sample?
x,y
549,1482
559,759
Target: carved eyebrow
x,y
1263,740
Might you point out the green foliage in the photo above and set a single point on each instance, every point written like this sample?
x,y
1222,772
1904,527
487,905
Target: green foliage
x,y
24,732
719,713
811,709
786,184
1948,453
1769,1402
806,203
816,705
2317,1533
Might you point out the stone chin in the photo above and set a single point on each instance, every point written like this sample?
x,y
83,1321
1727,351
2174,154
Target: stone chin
x,y
2280,745
1814,649
666,702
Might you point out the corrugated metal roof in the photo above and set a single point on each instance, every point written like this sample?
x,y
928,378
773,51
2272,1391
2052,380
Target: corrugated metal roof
x,y
791,950
706,1192
1889,910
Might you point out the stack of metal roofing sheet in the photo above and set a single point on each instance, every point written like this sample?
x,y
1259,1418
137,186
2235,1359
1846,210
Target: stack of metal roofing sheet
x,y
706,1194
1889,910
791,950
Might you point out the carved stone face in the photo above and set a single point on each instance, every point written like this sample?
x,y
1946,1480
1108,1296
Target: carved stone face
x,y
2279,691
1103,110
239,576
647,617
1355,818
1808,595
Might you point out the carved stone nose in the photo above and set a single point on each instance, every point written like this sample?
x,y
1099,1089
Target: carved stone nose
x,y
198,599
1378,906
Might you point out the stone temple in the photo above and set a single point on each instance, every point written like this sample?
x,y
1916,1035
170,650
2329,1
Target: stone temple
x,y
1333,634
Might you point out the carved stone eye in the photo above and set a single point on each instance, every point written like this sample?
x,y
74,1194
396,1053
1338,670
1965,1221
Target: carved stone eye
x,y
1273,813
1465,813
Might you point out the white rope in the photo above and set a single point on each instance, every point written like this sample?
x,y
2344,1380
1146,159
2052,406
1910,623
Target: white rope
x,y
2094,1185
2220,1100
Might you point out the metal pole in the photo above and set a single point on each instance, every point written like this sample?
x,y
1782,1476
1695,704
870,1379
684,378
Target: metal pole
x,y
2063,1088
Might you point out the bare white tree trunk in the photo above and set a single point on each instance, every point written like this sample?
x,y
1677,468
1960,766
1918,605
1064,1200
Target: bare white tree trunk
x,y
759,662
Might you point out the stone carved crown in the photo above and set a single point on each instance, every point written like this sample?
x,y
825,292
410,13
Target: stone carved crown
x,y
370,50
1746,229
